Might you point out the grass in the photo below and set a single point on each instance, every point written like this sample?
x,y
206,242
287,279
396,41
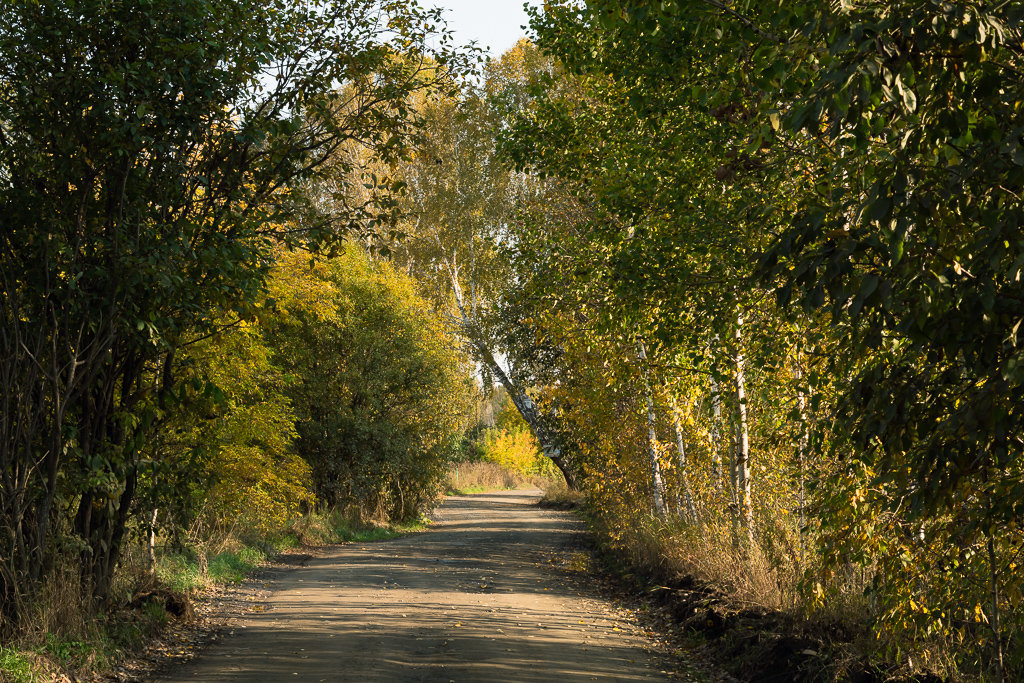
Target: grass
x,y
470,489
335,527
71,653
478,477
241,554
557,495
41,655
184,572
17,667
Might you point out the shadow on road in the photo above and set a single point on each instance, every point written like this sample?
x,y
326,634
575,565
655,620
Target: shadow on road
x,y
473,599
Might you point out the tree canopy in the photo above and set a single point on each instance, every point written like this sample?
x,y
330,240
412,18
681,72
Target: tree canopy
x,y
152,157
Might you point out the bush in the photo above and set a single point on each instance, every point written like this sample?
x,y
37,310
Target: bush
x,y
381,394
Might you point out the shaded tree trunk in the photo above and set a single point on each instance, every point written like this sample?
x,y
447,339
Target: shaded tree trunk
x,y
151,542
657,483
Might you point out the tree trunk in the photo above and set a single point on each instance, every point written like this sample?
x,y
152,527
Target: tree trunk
x,y
716,434
684,476
151,541
997,631
546,437
657,483
742,456
801,458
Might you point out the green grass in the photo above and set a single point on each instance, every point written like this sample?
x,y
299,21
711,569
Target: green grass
x,y
16,667
72,653
383,533
95,653
467,490
182,571
335,527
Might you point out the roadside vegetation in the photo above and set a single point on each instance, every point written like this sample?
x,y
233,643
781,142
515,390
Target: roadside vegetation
x,y
501,453
203,361
747,279
766,298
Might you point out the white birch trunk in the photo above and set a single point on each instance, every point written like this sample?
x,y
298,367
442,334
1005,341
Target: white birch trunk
x,y
801,455
657,483
684,476
742,456
716,434
151,544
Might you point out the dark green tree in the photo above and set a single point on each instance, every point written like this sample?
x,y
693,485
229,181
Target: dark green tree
x,y
149,154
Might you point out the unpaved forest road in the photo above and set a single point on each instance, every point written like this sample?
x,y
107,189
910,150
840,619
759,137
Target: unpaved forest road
x,y
473,599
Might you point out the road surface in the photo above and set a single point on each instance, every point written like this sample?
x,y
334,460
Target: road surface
x,y
475,598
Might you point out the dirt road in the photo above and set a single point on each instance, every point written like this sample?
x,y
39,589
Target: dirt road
x,y
473,599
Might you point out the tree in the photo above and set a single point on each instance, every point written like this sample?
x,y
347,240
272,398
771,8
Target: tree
x,y
148,157
869,167
381,393
227,454
460,200
665,251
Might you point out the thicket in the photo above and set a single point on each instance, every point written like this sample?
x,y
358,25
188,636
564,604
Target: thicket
x,y
770,283
185,352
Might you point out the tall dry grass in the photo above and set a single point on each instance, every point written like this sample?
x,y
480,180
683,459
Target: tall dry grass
x,y
558,495
475,477
744,572
763,572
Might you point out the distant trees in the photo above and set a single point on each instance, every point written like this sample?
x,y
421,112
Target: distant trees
x,y
460,202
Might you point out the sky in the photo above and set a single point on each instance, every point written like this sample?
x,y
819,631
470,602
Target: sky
x,y
494,24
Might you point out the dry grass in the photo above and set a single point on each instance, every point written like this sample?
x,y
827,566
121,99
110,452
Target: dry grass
x,y
59,611
476,477
741,571
715,554
64,635
559,496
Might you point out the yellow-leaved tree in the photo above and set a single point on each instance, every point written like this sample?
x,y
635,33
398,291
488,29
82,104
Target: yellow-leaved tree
x,y
378,384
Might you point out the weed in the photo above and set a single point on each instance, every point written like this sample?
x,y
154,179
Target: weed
x,y
73,653
16,666
234,566
580,563
155,612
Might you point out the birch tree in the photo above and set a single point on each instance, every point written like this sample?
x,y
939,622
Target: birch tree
x,y
462,198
